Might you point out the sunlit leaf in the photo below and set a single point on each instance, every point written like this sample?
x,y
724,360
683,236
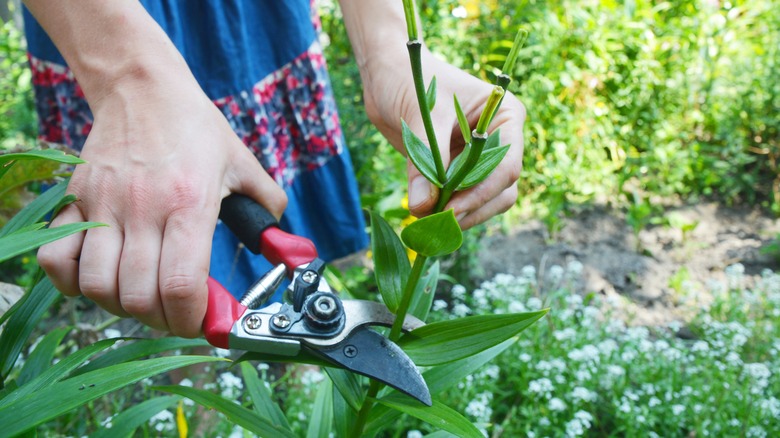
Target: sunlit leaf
x,y
430,95
419,154
458,161
20,242
435,235
61,397
126,422
391,265
40,154
439,415
463,122
235,413
488,161
36,210
446,341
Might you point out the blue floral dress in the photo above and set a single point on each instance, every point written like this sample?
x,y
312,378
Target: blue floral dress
x,y
261,63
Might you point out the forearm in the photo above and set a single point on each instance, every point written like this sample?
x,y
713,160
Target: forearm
x,y
109,45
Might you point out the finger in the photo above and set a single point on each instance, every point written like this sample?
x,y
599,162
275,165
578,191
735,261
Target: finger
x,y
184,264
99,266
249,178
60,259
139,273
495,206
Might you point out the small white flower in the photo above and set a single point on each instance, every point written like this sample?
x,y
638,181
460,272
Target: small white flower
x,y
616,370
230,384
414,434
677,410
556,405
525,357
458,292
459,12
439,305
583,394
221,352
555,274
163,420
461,310
112,333
534,303
574,268
653,402
574,300
700,346
540,386
517,307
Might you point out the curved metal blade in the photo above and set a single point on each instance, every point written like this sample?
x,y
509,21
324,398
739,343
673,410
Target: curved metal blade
x,y
368,353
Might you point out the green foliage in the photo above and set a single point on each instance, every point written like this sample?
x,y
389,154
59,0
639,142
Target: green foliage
x,y
17,112
433,236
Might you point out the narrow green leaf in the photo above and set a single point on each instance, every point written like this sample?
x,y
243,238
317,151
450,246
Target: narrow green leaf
x,y
137,348
57,399
40,359
441,434
40,154
419,154
343,416
347,384
435,235
458,162
463,122
261,397
423,295
59,370
511,59
430,95
488,161
438,379
321,420
36,210
23,321
5,167
126,422
447,341
391,264
20,242
235,413
493,140
438,415
303,357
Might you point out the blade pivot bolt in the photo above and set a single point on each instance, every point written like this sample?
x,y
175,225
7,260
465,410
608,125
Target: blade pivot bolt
x,y
325,307
281,321
350,351
253,322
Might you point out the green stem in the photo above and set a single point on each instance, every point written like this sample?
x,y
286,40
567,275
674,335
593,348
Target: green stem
x,y
415,56
477,145
406,299
360,423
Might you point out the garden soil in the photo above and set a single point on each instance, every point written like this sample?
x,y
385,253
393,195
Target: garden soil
x,y
656,270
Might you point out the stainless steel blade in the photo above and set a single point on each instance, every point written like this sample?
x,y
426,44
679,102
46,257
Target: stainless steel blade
x,y
368,353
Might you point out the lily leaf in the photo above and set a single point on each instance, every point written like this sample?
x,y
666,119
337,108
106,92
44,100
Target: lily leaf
x,y
321,419
435,235
447,341
463,122
40,359
493,140
423,296
7,161
138,348
126,422
419,154
430,95
54,400
347,384
488,161
391,265
438,415
458,161
261,397
237,414
36,210
22,241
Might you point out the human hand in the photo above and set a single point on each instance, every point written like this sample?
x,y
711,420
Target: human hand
x,y
390,96
160,157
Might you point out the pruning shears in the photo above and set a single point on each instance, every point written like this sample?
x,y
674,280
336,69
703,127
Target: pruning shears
x,y
313,319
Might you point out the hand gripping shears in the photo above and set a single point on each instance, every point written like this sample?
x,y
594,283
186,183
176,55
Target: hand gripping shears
x,y
314,319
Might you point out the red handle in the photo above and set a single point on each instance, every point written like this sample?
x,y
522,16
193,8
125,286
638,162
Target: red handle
x,y
222,312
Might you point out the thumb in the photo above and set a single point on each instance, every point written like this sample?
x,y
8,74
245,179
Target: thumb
x,y
249,178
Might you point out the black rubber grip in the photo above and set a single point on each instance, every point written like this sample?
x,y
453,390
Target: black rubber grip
x,y
246,219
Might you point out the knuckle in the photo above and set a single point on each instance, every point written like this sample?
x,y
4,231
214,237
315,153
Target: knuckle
x,y
95,286
179,287
138,305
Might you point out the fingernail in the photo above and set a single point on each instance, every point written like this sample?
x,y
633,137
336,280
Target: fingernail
x,y
419,192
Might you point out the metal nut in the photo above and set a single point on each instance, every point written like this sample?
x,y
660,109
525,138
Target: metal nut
x,y
325,307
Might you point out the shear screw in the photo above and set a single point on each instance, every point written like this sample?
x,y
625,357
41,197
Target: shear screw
x,y
281,321
253,322
350,351
309,277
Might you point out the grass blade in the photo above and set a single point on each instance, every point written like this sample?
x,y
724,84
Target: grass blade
x,y
321,421
20,242
139,348
438,415
261,397
36,210
40,359
347,385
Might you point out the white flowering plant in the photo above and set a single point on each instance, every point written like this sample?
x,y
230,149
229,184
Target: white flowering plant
x,y
587,371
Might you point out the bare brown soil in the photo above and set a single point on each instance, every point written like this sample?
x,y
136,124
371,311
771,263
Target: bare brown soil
x,y
643,268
